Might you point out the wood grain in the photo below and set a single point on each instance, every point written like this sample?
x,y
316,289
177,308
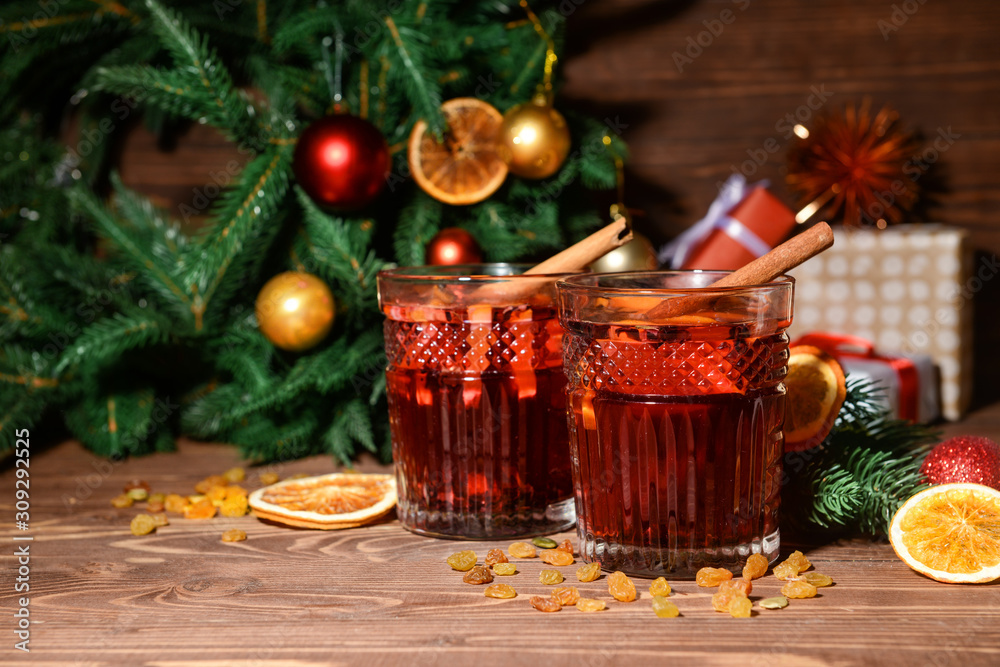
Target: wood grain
x,y
379,595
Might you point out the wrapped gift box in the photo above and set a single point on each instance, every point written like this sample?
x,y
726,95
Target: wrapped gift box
x,y
906,288
910,387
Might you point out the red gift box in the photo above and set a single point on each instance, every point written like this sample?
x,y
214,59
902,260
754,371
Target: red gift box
x,y
750,229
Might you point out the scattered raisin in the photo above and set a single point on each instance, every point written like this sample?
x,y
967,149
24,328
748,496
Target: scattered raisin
x,y
798,589
160,519
567,596
269,478
792,566
756,567
203,509
659,586
502,591
664,608
137,494
589,572
544,604
136,484
779,602
740,608
816,579
234,535
154,507
122,501
463,561
142,524
556,557
236,474
494,556
216,494
566,545
234,505
212,480
621,587
521,550
544,543
480,574
505,569
739,584
590,604
156,498
708,577
725,596
175,503
550,577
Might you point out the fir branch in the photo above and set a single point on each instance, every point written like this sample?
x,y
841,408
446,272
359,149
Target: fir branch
x,y
418,223
109,338
352,424
411,46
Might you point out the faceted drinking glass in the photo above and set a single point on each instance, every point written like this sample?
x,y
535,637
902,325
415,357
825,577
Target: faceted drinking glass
x,y
675,419
477,401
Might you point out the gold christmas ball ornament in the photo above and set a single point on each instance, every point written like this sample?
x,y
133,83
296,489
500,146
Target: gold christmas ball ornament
x,y
295,310
636,255
534,139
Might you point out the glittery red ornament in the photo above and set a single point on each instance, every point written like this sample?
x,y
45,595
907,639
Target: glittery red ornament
x,y
970,459
341,161
453,246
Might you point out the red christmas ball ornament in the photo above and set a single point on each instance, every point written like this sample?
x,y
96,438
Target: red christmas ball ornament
x,y
342,162
453,246
969,459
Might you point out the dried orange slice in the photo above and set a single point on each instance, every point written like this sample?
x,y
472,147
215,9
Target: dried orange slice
x,y
327,502
815,391
466,168
950,533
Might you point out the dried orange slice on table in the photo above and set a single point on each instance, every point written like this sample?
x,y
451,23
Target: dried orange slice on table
x,y
815,390
466,167
950,533
327,502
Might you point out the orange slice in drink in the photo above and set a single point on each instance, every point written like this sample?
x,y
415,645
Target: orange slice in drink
x,y
466,168
815,391
950,533
327,502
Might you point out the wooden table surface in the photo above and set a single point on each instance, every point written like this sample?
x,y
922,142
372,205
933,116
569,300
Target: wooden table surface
x,y
379,595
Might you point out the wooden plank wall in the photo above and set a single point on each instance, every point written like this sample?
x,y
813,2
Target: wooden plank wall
x,y
693,122
690,126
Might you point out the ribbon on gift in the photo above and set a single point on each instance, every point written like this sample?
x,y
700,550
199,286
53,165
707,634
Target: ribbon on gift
x,y
733,191
842,346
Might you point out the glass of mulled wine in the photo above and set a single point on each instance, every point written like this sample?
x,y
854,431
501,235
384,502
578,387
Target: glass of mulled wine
x,y
477,402
675,419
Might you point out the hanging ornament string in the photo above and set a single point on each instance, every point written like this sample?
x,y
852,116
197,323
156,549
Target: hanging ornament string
x,y
262,34
334,72
545,87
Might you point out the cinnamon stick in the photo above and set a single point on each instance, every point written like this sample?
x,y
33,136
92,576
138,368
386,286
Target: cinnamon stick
x,y
762,270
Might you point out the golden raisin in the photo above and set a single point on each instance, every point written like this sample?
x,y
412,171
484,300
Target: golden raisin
x,y
236,474
792,566
205,485
741,584
725,596
502,591
494,556
463,561
233,506
154,507
234,490
756,567
201,510
216,495
785,571
544,604
707,577
234,535
269,478
590,605
122,501
800,560
550,577
142,524
566,545
505,569
556,557
621,587
156,498
567,596
138,494
521,550
798,589
160,519
659,586
175,503
480,574
740,608
664,608
589,572
816,579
